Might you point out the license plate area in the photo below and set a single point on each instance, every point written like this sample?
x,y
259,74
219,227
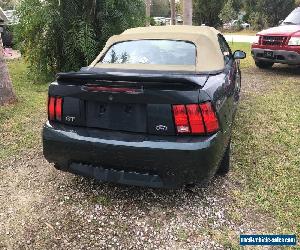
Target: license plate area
x,y
117,116
269,54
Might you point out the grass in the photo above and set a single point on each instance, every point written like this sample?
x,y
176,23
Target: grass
x,y
18,122
246,47
241,32
101,200
266,153
182,235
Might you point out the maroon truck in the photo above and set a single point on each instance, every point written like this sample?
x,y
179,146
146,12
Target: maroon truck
x,y
279,44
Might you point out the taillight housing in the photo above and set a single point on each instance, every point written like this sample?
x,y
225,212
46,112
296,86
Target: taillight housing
x,y
181,119
195,119
58,108
51,108
55,108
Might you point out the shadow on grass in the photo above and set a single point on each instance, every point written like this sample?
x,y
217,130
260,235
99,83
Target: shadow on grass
x,y
284,70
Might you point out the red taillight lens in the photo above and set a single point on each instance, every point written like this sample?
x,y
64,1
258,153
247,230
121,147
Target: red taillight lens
x,y
55,108
51,108
209,117
58,108
181,119
195,118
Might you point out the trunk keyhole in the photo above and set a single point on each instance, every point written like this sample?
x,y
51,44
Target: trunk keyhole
x,y
128,109
102,109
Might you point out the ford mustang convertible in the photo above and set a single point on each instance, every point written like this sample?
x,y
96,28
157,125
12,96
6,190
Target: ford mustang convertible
x,y
154,109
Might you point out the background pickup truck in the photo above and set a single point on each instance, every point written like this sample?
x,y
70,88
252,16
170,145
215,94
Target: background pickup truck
x,y
279,44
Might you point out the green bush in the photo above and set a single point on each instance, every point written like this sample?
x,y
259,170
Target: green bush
x,y
262,13
258,21
57,35
228,13
206,12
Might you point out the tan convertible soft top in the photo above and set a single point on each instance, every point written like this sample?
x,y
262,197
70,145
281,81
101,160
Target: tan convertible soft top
x,y
209,55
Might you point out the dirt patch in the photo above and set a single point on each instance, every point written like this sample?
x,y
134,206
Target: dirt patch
x,y
44,208
259,82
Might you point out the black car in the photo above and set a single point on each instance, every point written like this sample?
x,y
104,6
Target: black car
x,y
154,109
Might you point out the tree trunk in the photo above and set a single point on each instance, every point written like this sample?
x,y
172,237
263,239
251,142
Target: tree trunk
x,y
148,11
173,12
6,91
187,12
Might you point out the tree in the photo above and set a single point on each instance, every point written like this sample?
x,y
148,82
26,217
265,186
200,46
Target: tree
x,y
249,7
228,13
8,4
148,11
56,35
267,11
188,12
160,8
258,20
237,5
276,9
6,91
179,7
207,12
173,12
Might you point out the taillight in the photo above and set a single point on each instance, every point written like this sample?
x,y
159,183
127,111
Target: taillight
x,y
51,108
58,108
181,119
55,108
209,117
195,119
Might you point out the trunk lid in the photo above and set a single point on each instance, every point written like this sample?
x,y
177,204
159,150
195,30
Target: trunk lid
x,y
130,101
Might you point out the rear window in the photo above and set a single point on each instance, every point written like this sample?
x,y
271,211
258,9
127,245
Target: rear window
x,y
161,52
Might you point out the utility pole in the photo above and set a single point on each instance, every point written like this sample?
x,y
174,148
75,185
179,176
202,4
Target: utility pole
x,y
148,11
173,12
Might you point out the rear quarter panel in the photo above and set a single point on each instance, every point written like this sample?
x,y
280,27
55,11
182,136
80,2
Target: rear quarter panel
x,y
221,89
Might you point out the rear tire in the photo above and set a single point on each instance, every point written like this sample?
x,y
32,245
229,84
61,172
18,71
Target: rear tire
x,y
263,64
225,163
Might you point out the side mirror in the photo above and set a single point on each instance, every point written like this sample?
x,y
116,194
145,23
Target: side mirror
x,y
239,54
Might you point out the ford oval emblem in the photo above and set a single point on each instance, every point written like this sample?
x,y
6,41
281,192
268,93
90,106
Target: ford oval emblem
x,y
161,128
111,98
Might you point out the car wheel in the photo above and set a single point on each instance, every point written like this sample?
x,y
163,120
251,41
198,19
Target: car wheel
x,y
225,163
264,65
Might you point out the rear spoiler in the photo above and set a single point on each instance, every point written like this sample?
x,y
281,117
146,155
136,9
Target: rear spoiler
x,y
136,78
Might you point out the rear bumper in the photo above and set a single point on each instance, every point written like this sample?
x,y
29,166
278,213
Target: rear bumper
x,y
133,159
280,56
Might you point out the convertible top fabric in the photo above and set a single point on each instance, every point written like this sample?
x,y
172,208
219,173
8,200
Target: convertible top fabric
x,y
209,55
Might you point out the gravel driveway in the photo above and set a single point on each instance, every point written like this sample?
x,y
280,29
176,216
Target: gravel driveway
x,y
41,208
